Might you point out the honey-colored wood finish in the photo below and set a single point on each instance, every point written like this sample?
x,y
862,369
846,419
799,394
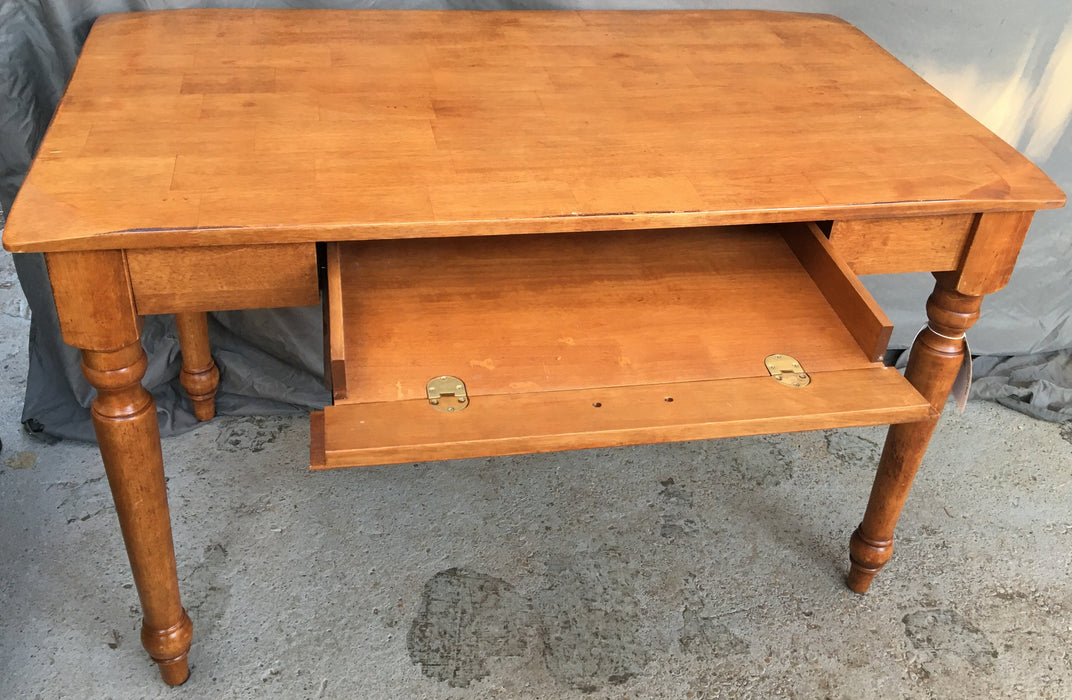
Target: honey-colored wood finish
x,y
93,299
849,299
224,127
199,376
906,244
542,328
988,261
199,156
335,338
218,279
317,449
556,312
932,368
349,435
96,311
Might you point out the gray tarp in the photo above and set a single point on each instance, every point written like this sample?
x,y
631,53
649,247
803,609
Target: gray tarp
x,y
1010,66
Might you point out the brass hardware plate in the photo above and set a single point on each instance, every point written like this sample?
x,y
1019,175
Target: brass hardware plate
x,y
447,394
786,370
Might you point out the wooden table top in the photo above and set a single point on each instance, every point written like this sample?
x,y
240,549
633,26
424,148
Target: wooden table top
x,y
208,127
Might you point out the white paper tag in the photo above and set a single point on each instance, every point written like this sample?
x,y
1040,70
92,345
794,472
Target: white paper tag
x,y
962,384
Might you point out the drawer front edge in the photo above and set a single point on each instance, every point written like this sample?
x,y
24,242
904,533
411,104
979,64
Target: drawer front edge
x,y
909,244
170,280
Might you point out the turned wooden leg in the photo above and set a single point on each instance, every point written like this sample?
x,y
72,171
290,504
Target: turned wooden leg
x,y
932,367
199,377
124,417
95,305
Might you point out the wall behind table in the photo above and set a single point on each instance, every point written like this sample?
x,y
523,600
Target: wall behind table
x,y
1009,67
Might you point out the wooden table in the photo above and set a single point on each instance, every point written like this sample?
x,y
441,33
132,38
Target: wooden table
x,y
600,228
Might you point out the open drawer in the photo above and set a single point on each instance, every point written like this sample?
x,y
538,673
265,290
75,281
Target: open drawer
x,y
548,342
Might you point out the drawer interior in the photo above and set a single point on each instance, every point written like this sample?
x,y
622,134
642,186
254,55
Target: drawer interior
x,y
596,339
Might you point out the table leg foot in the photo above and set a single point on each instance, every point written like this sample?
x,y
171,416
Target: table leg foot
x,y
932,368
199,377
866,559
174,672
169,649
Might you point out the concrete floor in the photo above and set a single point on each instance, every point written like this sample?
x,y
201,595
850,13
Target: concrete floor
x,y
693,570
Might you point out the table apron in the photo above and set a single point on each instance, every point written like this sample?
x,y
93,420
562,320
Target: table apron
x,y
169,280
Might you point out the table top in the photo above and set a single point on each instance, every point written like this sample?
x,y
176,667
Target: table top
x,y
211,127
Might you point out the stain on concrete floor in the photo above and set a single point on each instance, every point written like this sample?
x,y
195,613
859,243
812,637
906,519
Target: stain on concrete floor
x,y
590,621
208,594
21,460
585,622
586,619
677,517
252,434
706,637
465,619
1066,432
852,448
946,639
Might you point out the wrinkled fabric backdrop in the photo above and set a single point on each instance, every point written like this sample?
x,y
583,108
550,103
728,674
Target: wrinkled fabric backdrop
x,y
1009,65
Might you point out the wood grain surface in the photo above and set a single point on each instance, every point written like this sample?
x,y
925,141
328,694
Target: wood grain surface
x,y
169,280
536,313
207,127
349,435
935,360
843,291
908,244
